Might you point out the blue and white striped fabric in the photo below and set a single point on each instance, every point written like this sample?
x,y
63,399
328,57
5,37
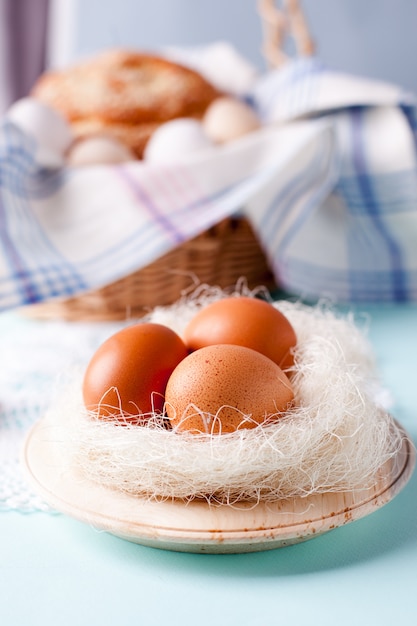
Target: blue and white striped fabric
x,y
360,242
330,185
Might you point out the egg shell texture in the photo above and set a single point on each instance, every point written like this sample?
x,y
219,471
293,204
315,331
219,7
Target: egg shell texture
x,y
239,386
129,371
244,321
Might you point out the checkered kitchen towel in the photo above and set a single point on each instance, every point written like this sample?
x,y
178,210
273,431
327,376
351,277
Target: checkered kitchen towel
x,y
360,243
329,183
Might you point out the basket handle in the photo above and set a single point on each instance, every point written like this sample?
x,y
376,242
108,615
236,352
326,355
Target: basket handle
x,y
278,24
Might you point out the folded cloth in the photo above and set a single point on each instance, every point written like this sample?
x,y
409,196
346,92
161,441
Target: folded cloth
x,y
329,184
360,243
65,231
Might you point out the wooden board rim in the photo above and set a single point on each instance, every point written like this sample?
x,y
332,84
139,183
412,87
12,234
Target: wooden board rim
x,y
198,526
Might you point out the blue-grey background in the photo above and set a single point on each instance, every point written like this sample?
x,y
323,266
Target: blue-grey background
x,y
375,38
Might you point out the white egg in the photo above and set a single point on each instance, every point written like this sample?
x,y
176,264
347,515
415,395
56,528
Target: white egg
x,y
228,118
50,130
176,139
99,150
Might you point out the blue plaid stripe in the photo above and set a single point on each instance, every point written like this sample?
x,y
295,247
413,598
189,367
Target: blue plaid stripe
x,y
225,202
396,192
371,207
308,279
312,190
23,240
372,256
410,113
296,85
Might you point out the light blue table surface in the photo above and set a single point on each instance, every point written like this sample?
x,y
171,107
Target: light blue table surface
x,y
55,570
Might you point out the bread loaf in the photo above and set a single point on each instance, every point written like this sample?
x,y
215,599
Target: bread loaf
x,y
124,94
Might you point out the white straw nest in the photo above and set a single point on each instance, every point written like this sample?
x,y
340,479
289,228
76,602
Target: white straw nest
x,y
336,438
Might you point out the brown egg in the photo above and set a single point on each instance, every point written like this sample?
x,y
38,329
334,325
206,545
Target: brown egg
x,y
224,388
129,371
244,321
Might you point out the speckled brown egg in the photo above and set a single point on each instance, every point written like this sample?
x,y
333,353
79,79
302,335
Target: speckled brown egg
x,y
244,321
224,388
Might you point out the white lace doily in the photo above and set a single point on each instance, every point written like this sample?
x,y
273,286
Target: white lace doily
x,y
35,356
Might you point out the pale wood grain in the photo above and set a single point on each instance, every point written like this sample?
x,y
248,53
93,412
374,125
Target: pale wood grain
x,y
198,526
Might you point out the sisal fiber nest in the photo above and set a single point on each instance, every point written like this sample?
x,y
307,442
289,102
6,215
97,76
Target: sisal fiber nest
x,y
336,438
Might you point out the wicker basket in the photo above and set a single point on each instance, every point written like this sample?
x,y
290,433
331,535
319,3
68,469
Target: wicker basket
x,y
222,255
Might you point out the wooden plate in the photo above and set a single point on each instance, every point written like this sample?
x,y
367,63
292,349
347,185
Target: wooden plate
x,y
198,526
